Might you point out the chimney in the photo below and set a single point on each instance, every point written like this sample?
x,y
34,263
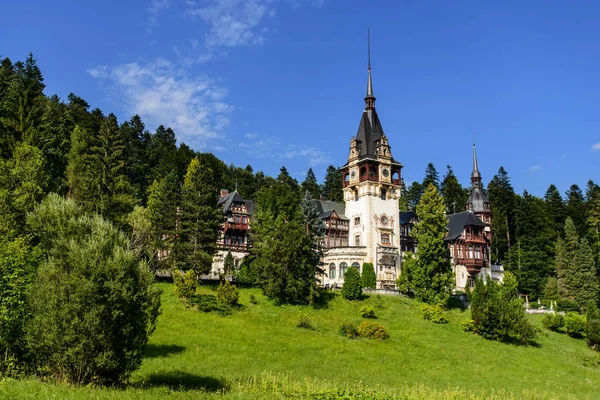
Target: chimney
x,y
224,193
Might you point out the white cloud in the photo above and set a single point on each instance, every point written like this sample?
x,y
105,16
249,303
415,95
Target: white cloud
x,y
535,168
263,146
596,146
156,6
164,94
250,135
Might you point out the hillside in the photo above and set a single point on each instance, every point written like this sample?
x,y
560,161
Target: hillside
x,y
257,352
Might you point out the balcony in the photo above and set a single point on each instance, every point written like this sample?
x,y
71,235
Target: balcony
x,y
340,227
374,178
473,265
235,226
233,247
474,238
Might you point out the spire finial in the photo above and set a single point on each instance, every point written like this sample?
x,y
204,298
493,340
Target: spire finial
x,y
475,175
370,99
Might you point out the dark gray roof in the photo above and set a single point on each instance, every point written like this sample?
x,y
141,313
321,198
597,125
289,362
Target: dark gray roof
x,y
457,222
406,216
327,207
477,200
251,206
235,197
369,132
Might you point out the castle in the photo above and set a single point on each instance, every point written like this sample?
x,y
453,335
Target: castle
x,y
369,227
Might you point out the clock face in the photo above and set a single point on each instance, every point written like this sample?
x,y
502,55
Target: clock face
x,y
384,220
353,174
386,172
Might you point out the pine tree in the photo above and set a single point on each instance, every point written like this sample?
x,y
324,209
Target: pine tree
x,y
163,199
555,208
135,139
200,218
332,185
502,196
592,208
310,185
80,171
431,277
576,209
315,230
352,288
413,195
431,177
228,264
452,192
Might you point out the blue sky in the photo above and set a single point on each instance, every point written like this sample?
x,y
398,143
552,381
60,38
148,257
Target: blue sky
x,y
282,82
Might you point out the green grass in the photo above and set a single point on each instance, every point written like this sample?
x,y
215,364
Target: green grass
x,y
258,352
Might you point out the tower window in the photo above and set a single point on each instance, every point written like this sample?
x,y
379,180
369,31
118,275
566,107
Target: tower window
x,y
383,194
356,220
385,238
357,240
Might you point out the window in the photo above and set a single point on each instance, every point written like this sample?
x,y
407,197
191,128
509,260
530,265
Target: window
x,y
356,265
383,194
470,252
236,218
356,195
343,268
357,240
332,271
385,238
477,252
356,220
245,220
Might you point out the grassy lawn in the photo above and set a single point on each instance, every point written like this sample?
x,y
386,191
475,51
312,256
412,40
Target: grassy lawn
x,y
257,352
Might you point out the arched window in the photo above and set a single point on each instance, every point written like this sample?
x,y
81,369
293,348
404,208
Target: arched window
x,y
346,179
385,238
343,268
471,252
363,171
356,265
332,271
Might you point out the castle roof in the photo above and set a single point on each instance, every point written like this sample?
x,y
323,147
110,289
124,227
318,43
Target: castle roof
x,y
457,223
326,208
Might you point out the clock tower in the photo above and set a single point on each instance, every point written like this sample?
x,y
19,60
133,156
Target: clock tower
x,y
371,184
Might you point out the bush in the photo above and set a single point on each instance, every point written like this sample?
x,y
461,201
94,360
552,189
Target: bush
x,y
253,299
498,313
372,330
433,313
534,305
567,305
369,280
553,322
209,303
227,293
592,328
468,325
348,330
378,302
367,312
574,324
93,304
352,288
185,283
304,321
455,302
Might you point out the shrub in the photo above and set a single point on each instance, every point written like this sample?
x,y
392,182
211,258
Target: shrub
x,y
468,325
367,312
369,280
352,288
433,313
185,283
592,328
534,305
348,330
378,302
553,322
253,299
574,324
455,302
209,303
227,293
93,304
304,321
567,305
372,330
498,313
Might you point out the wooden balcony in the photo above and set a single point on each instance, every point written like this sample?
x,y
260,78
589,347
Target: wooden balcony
x,y
474,238
473,265
374,178
235,226
335,226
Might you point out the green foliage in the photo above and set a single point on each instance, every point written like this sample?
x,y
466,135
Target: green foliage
x,y
310,185
429,274
253,299
163,199
348,330
185,283
592,326
227,293
455,197
575,324
93,304
567,305
209,303
498,313
468,325
367,312
368,278
304,321
228,263
332,185
352,288
434,313
551,289
18,262
553,322
372,330
534,305
502,196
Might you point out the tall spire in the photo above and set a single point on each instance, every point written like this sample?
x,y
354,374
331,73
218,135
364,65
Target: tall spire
x,y
475,175
370,99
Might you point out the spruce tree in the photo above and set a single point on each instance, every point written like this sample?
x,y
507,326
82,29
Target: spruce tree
x,y
332,185
228,263
431,177
576,209
413,195
555,208
352,288
314,226
310,185
200,218
163,199
431,277
502,196
452,192
369,280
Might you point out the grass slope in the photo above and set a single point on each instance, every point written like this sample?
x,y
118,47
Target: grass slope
x,y
257,352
